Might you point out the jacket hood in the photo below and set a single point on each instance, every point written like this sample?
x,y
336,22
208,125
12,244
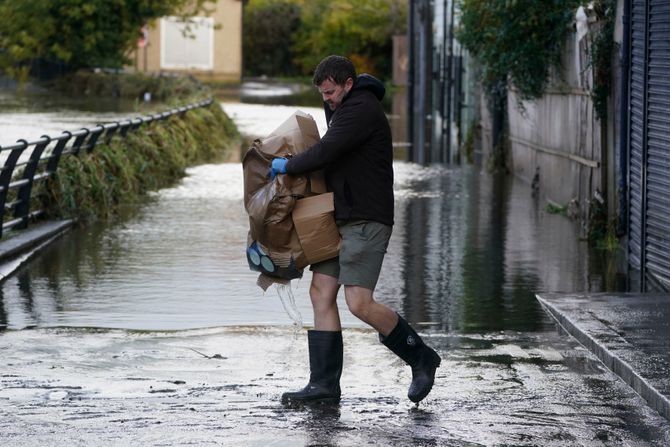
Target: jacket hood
x,y
368,82
363,82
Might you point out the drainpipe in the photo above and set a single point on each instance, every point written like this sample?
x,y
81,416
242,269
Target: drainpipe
x,y
623,126
420,114
450,83
445,86
410,83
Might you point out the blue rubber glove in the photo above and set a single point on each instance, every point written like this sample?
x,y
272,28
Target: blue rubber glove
x,y
278,167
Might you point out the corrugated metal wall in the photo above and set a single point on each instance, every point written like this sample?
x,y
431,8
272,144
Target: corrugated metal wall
x,y
637,129
649,143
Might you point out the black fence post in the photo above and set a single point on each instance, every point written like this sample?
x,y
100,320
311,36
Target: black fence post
x,y
125,127
47,163
22,207
52,164
95,134
111,130
6,178
79,141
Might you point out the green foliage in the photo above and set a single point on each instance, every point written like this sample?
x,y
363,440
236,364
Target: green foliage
x,y
269,27
361,30
553,208
94,185
78,33
601,230
519,40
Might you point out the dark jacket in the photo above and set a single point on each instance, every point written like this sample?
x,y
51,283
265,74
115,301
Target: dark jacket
x,y
356,154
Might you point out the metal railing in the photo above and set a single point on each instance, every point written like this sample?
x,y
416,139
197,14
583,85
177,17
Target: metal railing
x,y
20,174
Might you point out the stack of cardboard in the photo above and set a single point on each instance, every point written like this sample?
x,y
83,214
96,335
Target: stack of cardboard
x,y
291,223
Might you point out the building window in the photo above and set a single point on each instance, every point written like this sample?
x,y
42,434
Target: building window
x,y
187,45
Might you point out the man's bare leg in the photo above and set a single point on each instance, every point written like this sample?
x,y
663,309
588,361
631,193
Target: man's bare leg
x,y
323,293
363,306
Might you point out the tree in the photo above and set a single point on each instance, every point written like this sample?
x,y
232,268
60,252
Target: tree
x,y
269,26
78,33
284,37
361,30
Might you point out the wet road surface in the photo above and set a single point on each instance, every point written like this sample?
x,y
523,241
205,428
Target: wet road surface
x,y
151,331
222,387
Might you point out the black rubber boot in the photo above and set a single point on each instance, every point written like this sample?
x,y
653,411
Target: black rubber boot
x,y
325,364
406,344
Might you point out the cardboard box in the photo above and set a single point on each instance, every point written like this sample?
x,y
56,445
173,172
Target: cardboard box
x,y
313,218
293,136
286,233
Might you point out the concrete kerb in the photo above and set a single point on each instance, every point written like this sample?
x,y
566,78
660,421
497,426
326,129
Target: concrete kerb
x,y
18,249
620,367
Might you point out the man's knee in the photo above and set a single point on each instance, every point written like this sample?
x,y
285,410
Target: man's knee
x,y
359,301
323,290
358,309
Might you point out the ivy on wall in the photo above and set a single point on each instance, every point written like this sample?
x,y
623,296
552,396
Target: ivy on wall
x,y
522,41
516,40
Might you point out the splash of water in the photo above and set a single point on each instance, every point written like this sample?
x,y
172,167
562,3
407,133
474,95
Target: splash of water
x,y
287,298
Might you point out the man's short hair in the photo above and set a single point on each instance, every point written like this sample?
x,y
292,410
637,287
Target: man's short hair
x,y
336,68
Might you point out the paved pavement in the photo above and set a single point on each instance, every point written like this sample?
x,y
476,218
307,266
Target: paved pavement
x,y
629,333
19,248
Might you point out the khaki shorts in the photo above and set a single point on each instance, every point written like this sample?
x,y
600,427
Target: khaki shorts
x,y
364,244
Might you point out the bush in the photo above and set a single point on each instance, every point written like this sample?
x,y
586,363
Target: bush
x,y
289,37
94,185
268,30
79,34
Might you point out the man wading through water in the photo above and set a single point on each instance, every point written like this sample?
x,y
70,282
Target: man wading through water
x,y
357,155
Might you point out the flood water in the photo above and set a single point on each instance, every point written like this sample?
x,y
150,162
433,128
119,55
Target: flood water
x,y
443,268
468,253
35,112
111,334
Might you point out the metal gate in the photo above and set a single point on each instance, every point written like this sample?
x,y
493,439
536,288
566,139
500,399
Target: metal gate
x,y
649,143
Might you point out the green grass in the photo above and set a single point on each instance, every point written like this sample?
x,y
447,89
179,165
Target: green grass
x,y
552,208
95,185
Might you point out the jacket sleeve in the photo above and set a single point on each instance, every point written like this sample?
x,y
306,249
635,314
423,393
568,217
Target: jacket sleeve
x,y
348,130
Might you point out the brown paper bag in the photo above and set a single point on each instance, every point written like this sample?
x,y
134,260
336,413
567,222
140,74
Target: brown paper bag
x,y
274,246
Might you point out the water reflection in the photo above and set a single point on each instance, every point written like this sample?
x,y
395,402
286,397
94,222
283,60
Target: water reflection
x,y
40,100
468,250
473,249
271,92
30,114
468,253
322,425
455,252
